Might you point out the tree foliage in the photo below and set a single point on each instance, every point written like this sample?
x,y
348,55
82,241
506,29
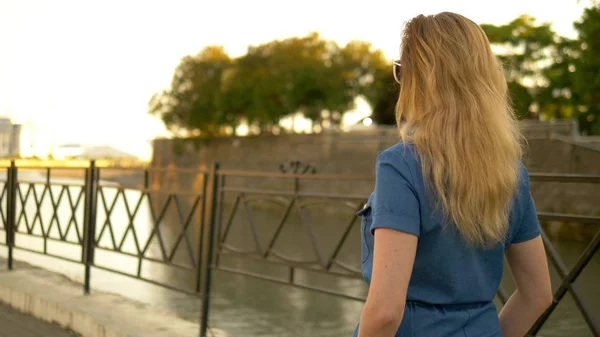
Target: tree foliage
x,y
549,76
193,102
523,48
211,92
586,71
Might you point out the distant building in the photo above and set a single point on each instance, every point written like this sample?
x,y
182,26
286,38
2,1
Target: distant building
x,y
106,152
10,138
78,151
68,151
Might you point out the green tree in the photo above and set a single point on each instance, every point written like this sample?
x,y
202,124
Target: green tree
x,y
305,75
551,75
307,70
523,47
587,71
295,75
369,74
557,97
210,93
192,103
384,95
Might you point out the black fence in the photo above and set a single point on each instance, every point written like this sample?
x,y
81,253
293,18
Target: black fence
x,y
182,220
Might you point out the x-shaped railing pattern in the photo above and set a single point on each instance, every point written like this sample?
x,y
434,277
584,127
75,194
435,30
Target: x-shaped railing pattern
x,y
68,213
3,196
290,204
295,201
27,190
142,248
570,276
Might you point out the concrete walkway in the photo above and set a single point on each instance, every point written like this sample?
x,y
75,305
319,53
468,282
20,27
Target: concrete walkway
x,y
54,299
16,324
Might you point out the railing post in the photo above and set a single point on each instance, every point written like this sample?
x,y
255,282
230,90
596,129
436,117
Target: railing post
x,y
212,223
11,211
89,223
146,179
205,205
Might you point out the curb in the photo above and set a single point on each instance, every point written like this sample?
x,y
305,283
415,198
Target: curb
x,y
54,313
53,298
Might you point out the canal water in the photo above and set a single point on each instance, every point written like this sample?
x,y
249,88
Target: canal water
x,y
241,305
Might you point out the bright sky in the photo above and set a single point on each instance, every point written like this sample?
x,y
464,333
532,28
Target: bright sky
x,y
82,71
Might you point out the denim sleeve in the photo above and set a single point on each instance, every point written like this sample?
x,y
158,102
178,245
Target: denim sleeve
x,y
529,226
395,203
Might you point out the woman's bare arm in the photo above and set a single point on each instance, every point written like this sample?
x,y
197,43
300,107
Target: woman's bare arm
x,y
529,266
393,260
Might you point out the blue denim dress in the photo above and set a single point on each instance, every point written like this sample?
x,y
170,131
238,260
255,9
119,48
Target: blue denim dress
x,y
452,286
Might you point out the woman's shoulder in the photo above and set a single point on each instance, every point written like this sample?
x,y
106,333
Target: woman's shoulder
x,y
403,158
400,153
523,193
523,177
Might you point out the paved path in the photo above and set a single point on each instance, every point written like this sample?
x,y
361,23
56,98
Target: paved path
x,y
16,324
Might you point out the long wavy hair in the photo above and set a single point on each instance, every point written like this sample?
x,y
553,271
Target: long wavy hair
x,y
455,109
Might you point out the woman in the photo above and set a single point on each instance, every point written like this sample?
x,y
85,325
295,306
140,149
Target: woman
x,y
452,199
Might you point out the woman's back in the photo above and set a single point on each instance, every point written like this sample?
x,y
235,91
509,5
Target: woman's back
x,y
452,285
452,199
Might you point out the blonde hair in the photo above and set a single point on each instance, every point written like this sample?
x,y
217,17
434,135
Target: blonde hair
x,y
455,109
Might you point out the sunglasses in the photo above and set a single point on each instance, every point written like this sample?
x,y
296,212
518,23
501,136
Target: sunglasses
x,y
397,69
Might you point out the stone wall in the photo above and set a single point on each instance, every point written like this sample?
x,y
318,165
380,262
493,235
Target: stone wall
x,y
562,156
329,153
355,154
558,155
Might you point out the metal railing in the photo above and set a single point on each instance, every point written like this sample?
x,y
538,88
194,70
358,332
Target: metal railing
x,y
569,276
83,213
